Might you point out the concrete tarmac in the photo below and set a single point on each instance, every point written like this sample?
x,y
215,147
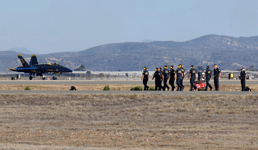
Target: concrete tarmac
x,y
132,92
107,82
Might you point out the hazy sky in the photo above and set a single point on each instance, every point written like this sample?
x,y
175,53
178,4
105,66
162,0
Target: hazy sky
x,y
45,26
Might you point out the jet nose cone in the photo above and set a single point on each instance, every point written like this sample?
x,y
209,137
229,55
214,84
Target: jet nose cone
x,y
69,70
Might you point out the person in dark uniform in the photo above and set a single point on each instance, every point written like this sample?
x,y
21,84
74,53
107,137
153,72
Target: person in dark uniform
x,y
207,78
172,77
217,75
192,76
161,77
179,76
145,78
157,77
165,76
199,76
243,77
183,73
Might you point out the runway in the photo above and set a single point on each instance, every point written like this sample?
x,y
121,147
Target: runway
x,y
106,82
131,92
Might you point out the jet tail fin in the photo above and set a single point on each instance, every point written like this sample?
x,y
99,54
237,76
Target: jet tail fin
x,y
33,60
24,63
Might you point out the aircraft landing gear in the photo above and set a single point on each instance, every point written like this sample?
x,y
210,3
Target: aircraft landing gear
x,y
30,77
54,78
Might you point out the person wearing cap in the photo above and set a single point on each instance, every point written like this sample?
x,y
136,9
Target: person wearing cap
x,y
165,78
217,74
172,77
192,76
243,77
157,77
207,78
145,78
183,73
161,78
179,76
199,76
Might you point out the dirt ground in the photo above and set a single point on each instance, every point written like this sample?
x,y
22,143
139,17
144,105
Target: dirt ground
x,y
128,122
112,87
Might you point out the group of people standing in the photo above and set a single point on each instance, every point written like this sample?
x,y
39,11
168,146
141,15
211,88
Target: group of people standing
x,y
179,74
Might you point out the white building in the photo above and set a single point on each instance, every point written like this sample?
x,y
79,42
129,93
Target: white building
x,y
117,73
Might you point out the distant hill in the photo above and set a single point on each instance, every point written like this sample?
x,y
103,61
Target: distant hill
x,y
227,52
21,50
147,41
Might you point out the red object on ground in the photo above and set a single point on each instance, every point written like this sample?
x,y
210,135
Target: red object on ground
x,y
200,85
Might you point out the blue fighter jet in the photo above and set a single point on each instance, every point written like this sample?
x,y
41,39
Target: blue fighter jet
x,y
35,69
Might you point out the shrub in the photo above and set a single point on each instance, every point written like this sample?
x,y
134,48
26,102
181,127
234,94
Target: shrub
x,y
201,89
151,89
136,88
27,88
101,75
106,88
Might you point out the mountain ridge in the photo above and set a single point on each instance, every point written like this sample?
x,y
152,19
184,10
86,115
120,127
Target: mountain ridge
x,y
223,50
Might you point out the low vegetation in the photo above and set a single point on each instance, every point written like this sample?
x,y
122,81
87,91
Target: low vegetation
x,y
202,89
27,88
106,88
151,89
137,88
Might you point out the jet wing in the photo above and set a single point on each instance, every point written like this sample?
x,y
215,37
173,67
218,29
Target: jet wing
x,y
11,69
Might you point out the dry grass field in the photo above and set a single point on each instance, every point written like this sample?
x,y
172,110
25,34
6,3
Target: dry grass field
x,y
128,122
112,87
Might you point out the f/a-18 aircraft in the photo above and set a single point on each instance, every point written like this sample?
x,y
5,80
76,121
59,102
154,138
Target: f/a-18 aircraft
x,y
35,69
